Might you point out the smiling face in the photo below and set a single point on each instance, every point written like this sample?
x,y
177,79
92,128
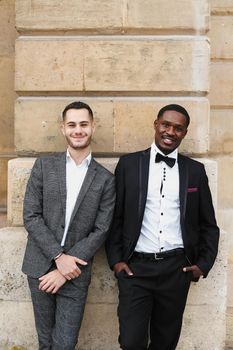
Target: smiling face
x,y
170,129
78,128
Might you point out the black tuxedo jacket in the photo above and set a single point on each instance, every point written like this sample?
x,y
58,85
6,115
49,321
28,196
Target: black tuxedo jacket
x,y
199,229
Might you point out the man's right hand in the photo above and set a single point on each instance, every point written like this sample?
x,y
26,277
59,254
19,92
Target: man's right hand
x,y
67,266
118,267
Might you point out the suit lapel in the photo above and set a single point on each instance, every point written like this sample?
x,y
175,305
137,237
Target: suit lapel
x,y
144,162
91,172
183,175
62,179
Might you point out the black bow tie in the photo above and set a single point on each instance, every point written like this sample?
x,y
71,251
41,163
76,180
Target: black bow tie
x,y
169,161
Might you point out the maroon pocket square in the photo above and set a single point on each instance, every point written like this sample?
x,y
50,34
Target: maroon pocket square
x,y
192,189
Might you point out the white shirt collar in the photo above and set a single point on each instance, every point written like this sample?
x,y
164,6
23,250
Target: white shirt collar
x,y
173,154
86,161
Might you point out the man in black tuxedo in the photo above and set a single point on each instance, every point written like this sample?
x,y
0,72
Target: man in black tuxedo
x,y
164,234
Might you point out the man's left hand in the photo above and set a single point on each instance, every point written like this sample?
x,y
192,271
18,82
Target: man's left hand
x,y
51,281
194,269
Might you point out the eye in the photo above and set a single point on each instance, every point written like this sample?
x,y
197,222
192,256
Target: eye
x,y
84,125
180,129
165,125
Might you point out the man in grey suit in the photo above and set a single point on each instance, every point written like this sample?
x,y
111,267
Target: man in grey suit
x,y
68,209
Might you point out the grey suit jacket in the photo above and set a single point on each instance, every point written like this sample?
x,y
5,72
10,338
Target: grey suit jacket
x,y
44,215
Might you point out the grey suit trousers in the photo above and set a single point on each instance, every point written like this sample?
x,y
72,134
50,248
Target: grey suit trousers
x,y
58,316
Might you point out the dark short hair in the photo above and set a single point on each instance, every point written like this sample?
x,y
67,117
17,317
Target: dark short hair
x,y
77,105
177,108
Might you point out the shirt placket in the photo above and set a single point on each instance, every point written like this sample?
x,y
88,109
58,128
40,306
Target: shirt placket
x,y
162,206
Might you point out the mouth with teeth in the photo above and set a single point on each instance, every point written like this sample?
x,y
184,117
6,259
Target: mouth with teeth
x,y
167,140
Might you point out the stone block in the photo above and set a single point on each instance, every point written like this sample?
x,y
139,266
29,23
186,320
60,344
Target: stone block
x,y
148,64
134,120
3,182
18,174
193,15
221,37
213,289
204,327
42,132
77,15
111,16
221,7
230,286
13,283
17,326
7,27
229,325
221,83
7,98
19,170
101,331
122,125
59,64
224,218
225,189
220,131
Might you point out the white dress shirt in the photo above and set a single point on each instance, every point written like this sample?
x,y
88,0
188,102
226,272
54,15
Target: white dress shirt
x,y
75,175
161,229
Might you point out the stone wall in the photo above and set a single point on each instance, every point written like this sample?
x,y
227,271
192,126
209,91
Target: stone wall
x,y
221,126
126,58
7,96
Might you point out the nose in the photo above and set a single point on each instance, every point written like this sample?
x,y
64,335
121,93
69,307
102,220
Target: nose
x,y
78,129
170,130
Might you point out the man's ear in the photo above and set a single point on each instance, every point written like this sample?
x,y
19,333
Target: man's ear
x,y
93,127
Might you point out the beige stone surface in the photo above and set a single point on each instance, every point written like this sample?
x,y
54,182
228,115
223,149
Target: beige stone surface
x,y
7,104
41,133
17,326
221,126
99,330
3,182
13,284
122,125
204,328
146,64
221,37
18,174
213,289
94,15
19,170
193,15
229,325
134,123
221,83
230,285
7,27
225,188
59,65
107,16
221,6
224,218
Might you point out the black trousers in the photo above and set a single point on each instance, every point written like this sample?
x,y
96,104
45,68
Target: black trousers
x,y
152,302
